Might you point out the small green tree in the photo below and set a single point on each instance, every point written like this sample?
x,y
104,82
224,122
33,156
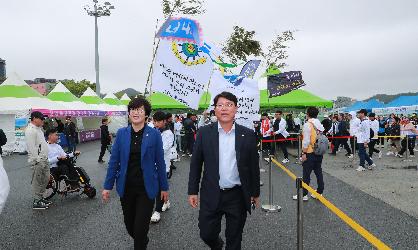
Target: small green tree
x,y
185,7
240,45
276,52
78,88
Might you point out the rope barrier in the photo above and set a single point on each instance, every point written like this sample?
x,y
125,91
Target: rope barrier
x,y
353,224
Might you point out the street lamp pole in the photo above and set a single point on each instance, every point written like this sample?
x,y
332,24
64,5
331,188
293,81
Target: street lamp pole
x,y
98,11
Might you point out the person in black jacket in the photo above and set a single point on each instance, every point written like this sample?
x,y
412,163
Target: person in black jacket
x,y
60,126
105,139
343,130
70,134
3,140
230,176
189,131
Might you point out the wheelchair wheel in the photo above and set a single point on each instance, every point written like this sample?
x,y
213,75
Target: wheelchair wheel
x,y
51,188
90,191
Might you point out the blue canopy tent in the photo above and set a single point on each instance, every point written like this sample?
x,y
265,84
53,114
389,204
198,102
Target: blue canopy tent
x,y
403,101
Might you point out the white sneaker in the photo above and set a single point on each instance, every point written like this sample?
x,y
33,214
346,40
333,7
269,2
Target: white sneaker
x,y
285,160
350,156
156,217
166,206
415,149
399,155
305,198
267,159
370,167
411,156
389,153
360,168
380,155
314,196
371,158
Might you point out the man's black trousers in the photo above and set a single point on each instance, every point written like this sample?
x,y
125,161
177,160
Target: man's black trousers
x,y
232,205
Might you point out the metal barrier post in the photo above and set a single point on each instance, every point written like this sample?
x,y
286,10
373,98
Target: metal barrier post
x,y
260,159
270,207
299,213
407,149
299,149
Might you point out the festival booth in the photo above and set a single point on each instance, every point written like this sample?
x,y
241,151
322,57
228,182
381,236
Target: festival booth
x,y
17,100
116,113
401,105
125,99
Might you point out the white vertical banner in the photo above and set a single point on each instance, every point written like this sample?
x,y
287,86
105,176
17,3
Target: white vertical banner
x,y
181,70
248,95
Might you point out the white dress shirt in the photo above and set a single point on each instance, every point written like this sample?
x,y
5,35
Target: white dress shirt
x,y
282,129
177,128
374,125
228,169
55,151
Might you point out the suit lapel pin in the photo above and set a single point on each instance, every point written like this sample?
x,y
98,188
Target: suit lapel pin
x,y
242,135
146,135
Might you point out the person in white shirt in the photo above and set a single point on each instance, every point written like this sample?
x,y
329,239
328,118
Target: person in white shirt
x,y
354,124
363,139
159,119
374,126
280,132
57,159
178,126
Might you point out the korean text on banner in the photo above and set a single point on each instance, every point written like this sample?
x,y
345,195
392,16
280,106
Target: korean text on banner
x,y
248,95
181,71
284,83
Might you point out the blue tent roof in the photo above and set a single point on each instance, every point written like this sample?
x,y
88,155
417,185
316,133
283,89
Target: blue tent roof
x,y
403,101
369,105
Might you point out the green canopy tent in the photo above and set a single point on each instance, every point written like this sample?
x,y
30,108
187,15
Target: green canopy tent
x,y
297,99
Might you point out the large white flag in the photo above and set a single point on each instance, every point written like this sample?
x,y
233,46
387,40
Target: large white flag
x,y
248,95
181,70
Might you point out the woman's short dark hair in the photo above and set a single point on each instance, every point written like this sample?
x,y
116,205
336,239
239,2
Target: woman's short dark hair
x,y
227,95
138,102
50,131
159,116
312,112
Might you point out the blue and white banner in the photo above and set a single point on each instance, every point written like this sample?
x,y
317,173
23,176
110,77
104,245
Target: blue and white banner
x,y
181,29
250,68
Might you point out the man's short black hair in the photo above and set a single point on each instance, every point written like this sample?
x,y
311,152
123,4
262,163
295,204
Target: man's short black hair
x,y
279,112
104,120
264,114
227,95
159,116
372,115
363,111
37,114
312,112
168,116
50,131
138,102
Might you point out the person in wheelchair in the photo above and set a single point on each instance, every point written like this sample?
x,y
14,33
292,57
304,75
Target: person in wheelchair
x,y
59,160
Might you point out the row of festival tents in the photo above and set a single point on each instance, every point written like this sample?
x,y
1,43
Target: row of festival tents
x,y
400,105
296,99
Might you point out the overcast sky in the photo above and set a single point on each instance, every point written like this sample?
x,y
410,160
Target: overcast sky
x,y
351,48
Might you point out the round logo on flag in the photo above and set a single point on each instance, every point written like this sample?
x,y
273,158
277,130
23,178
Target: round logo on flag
x,y
188,53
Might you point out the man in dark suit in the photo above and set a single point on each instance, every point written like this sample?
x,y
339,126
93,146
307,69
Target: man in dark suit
x,y
231,176
70,134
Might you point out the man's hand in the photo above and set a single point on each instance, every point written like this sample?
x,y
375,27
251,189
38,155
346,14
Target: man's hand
x,y
303,157
164,196
77,152
61,158
256,201
193,201
105,195
365,144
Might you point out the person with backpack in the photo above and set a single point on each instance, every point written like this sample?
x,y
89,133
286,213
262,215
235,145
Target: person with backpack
x,y
3,140
314,146
363,140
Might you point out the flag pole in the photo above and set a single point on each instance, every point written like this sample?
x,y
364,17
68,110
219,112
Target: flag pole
x,y
154,52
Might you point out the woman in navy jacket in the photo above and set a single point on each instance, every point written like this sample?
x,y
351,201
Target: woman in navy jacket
x,y
137,165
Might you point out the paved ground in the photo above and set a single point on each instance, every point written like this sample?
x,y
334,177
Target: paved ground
x,y
81,223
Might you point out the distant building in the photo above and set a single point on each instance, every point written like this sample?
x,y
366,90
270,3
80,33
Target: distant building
x,y
2,69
